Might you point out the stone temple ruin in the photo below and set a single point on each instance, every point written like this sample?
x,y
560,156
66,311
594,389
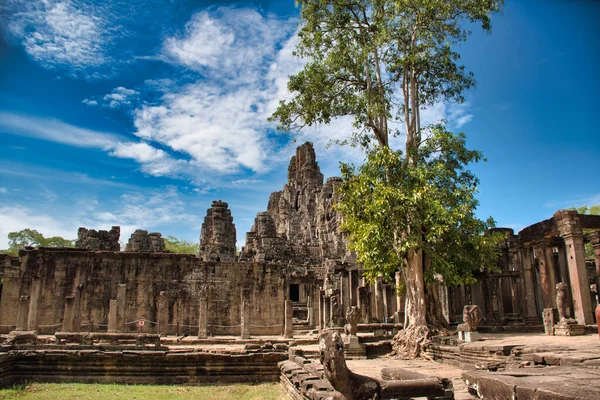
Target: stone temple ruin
x,y
294,278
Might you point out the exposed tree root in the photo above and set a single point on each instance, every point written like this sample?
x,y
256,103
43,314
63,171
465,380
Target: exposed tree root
x,y
411,342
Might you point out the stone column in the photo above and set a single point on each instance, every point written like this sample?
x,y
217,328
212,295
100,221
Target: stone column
x,y
34,300
245,316
22,313
203,318
68,314
546,281
570,229
163,313
326,312
595,241
333,310
113,316
289,314
321,309
378,300
386,312
345,295
399,298
77,309
363,304
351,284
121,306
529,287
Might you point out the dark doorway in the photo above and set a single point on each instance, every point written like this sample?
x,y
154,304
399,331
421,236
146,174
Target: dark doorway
x,y
294,292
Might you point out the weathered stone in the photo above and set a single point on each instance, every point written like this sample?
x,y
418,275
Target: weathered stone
x,y
218,237
91,239
550,318
142,241
352,319
300,224
472,317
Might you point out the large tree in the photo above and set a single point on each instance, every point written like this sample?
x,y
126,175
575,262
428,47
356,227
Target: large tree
x,y
382,62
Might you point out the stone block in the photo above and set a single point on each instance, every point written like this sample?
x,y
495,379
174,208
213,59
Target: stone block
x,y
569,330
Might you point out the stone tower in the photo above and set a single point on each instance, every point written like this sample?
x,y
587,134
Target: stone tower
x,y
300,223
217,237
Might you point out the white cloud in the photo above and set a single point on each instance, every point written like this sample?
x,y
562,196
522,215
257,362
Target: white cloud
x,y
146,211
63,34
119,96
56,131
154,161
228,43
3,190
246,181
219,120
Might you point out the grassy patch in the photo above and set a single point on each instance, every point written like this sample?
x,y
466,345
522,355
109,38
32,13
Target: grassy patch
x,y
76,391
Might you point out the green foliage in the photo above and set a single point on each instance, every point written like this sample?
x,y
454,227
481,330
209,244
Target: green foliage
x,y
593,210
362,55
181,246
390,209
31,237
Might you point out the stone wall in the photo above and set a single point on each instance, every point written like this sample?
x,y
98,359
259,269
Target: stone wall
x,y
49,281
137,367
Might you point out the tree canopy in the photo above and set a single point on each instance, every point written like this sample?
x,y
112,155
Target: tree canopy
x,y
178,246
31,237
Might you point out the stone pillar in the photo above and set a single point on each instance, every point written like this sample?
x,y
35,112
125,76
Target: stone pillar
x,y
326,312
378,300
314,306
345,295
570,229
321,309
121,306
289,314
245,316
68,314
386,312
113,316
351,284
77,309
528,277
22,313
163,313
333,311
595,241
400,299
203,318
546,280
34,300
363,304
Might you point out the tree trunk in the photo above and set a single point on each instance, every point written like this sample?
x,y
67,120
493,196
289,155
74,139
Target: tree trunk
x,y
423,309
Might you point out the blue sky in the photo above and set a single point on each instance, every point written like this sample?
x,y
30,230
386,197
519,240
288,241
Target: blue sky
x,y
141,113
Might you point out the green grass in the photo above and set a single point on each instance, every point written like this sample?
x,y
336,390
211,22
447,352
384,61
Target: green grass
x,y
76,391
